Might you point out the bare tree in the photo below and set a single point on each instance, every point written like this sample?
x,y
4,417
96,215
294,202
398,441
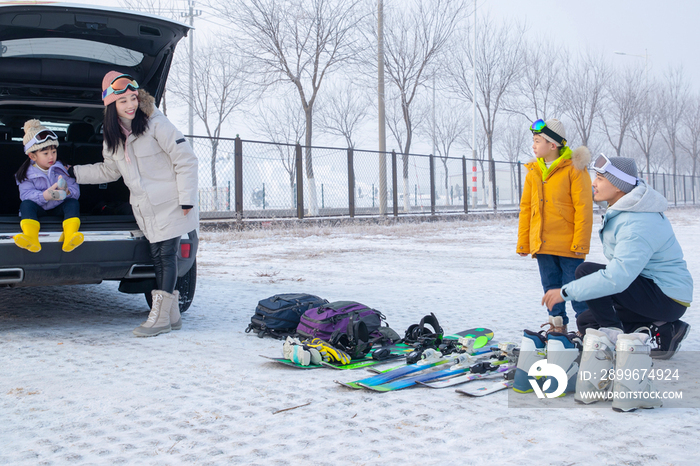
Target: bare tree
x,y
625,96
296,42
691,123
499,64
538,87
451,124
221,90
414,39
582,93
343,110
284,123
674,96
645,126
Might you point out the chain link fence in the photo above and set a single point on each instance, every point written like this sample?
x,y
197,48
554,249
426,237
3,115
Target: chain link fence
x,y
254,179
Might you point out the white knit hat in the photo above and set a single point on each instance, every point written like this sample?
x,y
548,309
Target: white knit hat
x,y
556,126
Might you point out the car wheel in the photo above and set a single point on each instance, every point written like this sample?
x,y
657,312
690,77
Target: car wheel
x,y
185,285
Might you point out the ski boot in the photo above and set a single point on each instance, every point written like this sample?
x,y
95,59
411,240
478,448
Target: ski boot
x,y
633,357
532,349
598,358
564,350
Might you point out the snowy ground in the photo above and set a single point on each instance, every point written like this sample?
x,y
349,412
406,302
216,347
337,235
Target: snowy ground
x,y
77,388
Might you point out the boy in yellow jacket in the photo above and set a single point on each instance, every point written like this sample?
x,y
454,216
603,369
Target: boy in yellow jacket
x,y
556,212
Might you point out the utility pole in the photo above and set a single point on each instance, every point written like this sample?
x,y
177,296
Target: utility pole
x,y
191,15
474,105
381,107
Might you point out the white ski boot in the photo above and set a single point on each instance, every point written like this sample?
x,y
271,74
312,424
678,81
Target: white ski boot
x,y
594,382
564,350
632,387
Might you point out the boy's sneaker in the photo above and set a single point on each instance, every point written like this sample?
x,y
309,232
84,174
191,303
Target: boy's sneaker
x,y
668,338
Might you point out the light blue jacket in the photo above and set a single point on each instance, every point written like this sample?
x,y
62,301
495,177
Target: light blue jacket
x,y
637,240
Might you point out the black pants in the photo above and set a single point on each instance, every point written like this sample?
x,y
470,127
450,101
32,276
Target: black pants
x,y
640,304
164,255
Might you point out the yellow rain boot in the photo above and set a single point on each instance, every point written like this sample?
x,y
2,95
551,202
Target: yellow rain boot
x,y
71,237
29,238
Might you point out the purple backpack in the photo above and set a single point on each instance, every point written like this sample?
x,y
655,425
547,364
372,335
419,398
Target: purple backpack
x,y
321,322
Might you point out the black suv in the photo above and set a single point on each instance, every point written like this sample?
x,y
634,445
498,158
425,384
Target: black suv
x,y
52,60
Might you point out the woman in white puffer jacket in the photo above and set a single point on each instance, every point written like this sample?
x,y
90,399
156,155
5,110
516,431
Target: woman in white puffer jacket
x,y
160,169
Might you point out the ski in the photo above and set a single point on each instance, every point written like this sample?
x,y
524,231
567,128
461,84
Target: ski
x,y
431,358
464,378
463,363
486,389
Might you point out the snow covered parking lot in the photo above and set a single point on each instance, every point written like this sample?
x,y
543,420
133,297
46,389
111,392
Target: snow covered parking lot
x,y
76,387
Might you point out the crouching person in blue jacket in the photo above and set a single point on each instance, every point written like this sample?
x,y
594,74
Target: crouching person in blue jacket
x,y
646,284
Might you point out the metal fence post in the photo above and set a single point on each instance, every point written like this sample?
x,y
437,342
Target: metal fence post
x,y
432,184
493,185
663,179
300,182
685,193
394,184
465,189
351,183
238,175
520,181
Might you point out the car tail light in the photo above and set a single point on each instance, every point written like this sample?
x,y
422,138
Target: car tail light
x,y
185,250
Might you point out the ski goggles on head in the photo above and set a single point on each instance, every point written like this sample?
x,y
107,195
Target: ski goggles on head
x,y
120,85
603,165
540,126
41,136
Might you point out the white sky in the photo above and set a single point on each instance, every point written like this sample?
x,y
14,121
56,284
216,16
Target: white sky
x,y
666,31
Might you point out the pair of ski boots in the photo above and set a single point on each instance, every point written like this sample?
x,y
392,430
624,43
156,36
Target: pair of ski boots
x,y
538,350
615,365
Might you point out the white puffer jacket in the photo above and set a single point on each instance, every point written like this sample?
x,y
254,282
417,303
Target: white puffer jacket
x,y
161,175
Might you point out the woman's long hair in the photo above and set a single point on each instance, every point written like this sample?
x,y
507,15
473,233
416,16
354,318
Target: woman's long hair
x,y
112,131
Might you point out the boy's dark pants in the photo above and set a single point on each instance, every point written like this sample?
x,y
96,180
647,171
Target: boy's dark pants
x,y
555,272
650,304
69,208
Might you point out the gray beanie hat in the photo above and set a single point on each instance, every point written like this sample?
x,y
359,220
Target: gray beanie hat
x,y
556,126
625,165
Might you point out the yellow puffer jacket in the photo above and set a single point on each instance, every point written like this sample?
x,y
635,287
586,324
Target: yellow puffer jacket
x,y
556,215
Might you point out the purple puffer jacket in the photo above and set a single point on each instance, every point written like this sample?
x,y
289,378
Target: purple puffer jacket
x,y
32,189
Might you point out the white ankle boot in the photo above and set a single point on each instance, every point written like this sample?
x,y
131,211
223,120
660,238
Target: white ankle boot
x,y
633,388
598,359
175,320
159,318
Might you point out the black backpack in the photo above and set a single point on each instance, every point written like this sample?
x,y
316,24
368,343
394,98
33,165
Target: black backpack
x,y
278,315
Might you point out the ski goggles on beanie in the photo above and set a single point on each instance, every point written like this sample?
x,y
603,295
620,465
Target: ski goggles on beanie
x,y
40,137
120,85
540,126
603,165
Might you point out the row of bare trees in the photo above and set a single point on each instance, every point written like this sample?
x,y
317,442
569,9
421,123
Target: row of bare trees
x,y
291,67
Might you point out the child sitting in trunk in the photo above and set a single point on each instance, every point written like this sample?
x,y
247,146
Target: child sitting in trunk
x,y
45,189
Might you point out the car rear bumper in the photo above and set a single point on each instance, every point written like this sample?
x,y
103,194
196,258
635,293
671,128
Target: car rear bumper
x,y
104,255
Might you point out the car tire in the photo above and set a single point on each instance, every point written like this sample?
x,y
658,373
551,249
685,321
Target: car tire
x,y
185,285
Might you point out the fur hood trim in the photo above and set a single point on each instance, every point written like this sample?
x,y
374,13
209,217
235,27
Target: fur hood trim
x,y
581,157
147,103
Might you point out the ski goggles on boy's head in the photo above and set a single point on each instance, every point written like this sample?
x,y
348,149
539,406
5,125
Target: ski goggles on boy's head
x,y
603,165
41,136
540,126
120,85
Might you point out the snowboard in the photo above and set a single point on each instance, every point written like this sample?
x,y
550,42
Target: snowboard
x,y
486,389
398,351
482,336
